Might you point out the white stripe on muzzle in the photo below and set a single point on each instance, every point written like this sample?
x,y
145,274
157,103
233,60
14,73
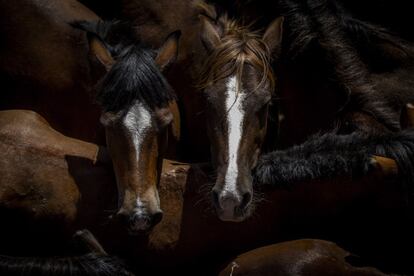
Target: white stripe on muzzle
x,y
235,116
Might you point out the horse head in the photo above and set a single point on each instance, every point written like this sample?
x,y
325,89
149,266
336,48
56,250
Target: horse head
x,y
238,83
137,110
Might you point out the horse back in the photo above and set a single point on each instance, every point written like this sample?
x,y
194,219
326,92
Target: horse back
x,y
49,181
44,64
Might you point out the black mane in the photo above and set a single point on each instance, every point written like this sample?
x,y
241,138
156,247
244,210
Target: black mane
x,y
319,22
331,155
90,264
134,76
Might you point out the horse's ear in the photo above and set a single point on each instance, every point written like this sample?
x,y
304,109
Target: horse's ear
x,y
98,50
168,52
273,35
175,127
210,33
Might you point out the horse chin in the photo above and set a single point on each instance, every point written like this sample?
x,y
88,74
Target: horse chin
x,y
139,232
235,216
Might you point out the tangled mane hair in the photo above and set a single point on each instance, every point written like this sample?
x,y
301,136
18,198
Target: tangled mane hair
x,y
317,22
329,155
238,46
89,264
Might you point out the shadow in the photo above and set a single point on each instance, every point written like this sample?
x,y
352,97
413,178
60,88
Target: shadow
x,y
365,216
96,184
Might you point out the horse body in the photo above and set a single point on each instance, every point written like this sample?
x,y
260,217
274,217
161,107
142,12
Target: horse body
x,y
40,67
56,183
301,257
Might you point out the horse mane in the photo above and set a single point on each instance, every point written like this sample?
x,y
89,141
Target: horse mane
x,y
302,30
239,46
89,264
329,155
323,27
368,38
134,76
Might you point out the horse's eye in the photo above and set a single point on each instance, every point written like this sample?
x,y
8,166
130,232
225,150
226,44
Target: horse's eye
x,y
164,117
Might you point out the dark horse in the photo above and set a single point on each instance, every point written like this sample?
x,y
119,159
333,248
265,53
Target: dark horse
x,y
238,83
136,101
322,85
348,78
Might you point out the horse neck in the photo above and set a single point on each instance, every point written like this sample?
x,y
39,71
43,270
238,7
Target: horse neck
x,y
307,104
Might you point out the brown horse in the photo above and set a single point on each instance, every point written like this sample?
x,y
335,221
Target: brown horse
x,y
300,257
134,96
137,111
58,181
238,83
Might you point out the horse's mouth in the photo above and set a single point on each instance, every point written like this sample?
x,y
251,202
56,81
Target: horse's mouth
x,y
139,222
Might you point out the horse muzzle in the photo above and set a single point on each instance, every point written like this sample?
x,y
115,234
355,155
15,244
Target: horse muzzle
x,y
140,221
231,206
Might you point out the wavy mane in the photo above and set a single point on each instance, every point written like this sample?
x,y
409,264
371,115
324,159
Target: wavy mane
x,y
319,22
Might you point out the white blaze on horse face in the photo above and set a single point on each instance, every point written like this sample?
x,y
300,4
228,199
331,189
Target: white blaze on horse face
x,y
235,116
138,121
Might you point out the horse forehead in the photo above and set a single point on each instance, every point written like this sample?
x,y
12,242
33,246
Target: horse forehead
x,y
138,117
235,93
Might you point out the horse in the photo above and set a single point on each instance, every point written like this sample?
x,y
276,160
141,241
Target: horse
x,y
137,112
238,83
358,107
299,257
137,122
173,242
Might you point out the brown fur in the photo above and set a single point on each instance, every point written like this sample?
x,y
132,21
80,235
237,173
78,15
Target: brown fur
x,y
300,258
50,181
44,60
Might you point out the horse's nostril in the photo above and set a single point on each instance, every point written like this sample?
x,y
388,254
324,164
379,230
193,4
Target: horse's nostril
x,y
215,196
247,198
156,218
